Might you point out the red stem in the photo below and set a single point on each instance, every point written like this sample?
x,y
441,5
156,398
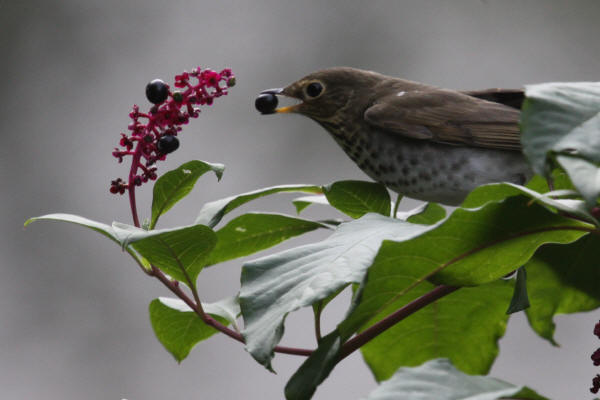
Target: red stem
x,y
135,162
392,319
173,287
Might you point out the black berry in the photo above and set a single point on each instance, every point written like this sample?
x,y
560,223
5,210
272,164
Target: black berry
x,y
266,103
157,91
168,144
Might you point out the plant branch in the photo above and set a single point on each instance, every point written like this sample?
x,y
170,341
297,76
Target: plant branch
x,y
367,335
483,247
437,293
137,155
189,281
207,319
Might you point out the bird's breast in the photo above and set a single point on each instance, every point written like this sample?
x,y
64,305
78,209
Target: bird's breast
x,y
425,170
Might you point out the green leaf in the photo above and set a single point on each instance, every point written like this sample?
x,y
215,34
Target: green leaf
x,y
117,232
464,326
527,394
302,202
498,191
559,178
475,246
520,299
211,213
564,119
585,176
176,184
180,252
562,280
356,198
278,284
99,227
431,213
471,247
439,380
252,232
315,369
179,329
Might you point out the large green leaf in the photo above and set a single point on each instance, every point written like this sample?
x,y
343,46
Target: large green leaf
x,y
481,245
471,247
176,184
464,326
179,329
356,198
552,200
564,118
562,280
211,213
439,380
478,313
252,232
99,227
180,252
117,232
278,284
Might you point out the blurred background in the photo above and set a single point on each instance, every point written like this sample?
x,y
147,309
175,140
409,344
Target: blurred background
x,y
73,308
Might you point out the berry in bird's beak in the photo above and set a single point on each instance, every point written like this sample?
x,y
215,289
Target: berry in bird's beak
x,y
266,103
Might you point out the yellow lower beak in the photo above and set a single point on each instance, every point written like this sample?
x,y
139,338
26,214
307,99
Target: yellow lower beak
x,y
288,109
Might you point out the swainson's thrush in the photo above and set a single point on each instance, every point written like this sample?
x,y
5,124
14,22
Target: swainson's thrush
x,y
421,141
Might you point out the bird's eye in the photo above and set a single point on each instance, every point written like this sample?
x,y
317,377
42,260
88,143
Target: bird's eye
x,y
314,89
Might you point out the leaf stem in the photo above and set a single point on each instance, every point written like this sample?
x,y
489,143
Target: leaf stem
x,y
368,334
396,205
317,313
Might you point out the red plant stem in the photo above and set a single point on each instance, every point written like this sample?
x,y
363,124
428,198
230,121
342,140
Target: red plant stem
x,y
207,319
135,162
392,319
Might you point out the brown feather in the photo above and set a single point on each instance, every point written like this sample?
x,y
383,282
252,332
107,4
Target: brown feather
x,y
449,117
509,97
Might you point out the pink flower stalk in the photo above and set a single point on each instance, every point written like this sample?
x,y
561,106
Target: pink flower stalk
x,y
154,134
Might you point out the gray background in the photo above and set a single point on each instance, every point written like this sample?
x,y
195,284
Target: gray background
x,y
73,308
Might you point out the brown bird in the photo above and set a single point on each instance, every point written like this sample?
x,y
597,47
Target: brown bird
x,y
421,141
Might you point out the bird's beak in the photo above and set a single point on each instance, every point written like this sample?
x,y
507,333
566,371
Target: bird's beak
x,y
272,91
281,91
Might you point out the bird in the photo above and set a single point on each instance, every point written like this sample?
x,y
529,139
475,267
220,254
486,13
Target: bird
x,y
421,141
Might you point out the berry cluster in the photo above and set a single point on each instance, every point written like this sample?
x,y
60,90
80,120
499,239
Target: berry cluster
x,y
596,359
154,134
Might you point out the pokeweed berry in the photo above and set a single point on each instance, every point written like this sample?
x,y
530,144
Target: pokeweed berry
x,y
168,144
266,103
157,91
153,133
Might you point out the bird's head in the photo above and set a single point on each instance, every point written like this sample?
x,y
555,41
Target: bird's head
x,y
322,94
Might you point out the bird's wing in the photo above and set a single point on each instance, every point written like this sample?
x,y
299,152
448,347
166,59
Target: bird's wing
x,y
445,116
509,97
